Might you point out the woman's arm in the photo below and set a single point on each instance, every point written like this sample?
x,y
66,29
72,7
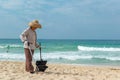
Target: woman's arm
x,y
23,35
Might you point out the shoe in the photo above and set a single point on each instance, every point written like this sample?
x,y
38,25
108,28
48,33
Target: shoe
x,y
32,72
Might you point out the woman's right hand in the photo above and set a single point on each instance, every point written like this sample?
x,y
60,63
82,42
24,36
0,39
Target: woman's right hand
x,y
27,43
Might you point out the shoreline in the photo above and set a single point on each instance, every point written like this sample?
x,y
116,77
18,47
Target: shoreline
x,y
11,70
90,65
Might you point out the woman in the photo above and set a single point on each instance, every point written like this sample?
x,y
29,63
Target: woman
x,y
29,38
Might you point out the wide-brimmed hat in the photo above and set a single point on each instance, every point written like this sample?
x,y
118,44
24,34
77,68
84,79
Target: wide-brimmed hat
x,y
35,23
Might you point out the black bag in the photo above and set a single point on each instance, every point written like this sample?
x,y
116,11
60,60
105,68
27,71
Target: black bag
x,y
41,64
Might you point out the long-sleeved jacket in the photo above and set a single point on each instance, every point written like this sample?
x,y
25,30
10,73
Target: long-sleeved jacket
x,y
28,35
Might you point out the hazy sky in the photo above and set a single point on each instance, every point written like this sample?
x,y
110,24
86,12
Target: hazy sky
x,y
62,19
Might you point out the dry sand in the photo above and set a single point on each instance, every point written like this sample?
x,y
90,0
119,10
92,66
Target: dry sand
x,y
15,71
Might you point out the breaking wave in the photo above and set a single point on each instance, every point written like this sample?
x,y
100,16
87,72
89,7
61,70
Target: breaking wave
x,y
10,46
69,55
85,48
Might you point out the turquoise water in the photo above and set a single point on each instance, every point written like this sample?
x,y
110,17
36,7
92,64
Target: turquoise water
x,y
90,52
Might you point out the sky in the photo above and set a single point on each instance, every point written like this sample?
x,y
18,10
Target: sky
x,y
62,19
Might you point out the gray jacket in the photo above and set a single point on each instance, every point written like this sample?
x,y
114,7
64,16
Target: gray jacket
x,y
28,35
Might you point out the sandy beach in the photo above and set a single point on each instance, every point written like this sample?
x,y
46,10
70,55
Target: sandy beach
x,y
10,70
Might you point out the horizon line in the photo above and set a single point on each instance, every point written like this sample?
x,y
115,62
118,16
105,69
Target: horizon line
x,y
63,39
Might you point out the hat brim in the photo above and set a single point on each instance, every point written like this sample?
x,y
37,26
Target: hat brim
x,y
36,25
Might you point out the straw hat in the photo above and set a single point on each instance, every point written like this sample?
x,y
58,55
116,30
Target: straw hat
x,y
35,23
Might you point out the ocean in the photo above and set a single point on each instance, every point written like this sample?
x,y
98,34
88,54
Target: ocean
x,y
86,52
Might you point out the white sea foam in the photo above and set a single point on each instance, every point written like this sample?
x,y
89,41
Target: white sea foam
x,y
113,58
72,56
69,57
2,46
75,56
10,46
11,56
84,48
106,58
15,46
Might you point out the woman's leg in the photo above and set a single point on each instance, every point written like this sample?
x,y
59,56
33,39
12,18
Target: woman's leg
x,y
28,65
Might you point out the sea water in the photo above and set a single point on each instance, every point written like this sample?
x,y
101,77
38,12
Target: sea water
x,y
89,52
